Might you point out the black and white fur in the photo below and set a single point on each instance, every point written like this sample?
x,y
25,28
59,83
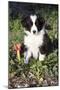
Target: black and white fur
x,y
36,40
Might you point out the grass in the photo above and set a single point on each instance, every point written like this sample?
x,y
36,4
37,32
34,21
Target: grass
x,y
43,73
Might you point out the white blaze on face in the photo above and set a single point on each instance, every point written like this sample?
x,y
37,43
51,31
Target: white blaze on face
x,y
33,18
33,28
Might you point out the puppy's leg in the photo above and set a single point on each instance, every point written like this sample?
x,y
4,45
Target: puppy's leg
x,y
41,56
27,56
42,52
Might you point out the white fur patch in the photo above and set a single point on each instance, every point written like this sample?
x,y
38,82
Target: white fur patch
x,y
41,57
33,42
33,18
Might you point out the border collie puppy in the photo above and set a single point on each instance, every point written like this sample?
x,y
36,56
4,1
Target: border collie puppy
x,y
36,41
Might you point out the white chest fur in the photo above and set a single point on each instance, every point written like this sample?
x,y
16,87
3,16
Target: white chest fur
x,y
33,42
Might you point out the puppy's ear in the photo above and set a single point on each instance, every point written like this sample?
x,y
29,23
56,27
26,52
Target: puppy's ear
x,y
23,20
48,27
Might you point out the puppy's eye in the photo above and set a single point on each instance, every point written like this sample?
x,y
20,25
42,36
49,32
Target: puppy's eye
x,y
36,23
29,22
39,23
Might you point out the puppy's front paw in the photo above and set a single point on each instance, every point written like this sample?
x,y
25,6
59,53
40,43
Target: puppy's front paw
x,y
41,57
25,61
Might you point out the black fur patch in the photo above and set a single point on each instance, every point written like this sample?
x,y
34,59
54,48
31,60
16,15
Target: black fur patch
x,y
23,49
47,46
39,23
27,23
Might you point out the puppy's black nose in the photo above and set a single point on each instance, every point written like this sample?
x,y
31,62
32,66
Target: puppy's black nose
x,y
34,31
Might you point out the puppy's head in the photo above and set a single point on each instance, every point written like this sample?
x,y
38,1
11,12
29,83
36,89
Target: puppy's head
x,y
33,24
